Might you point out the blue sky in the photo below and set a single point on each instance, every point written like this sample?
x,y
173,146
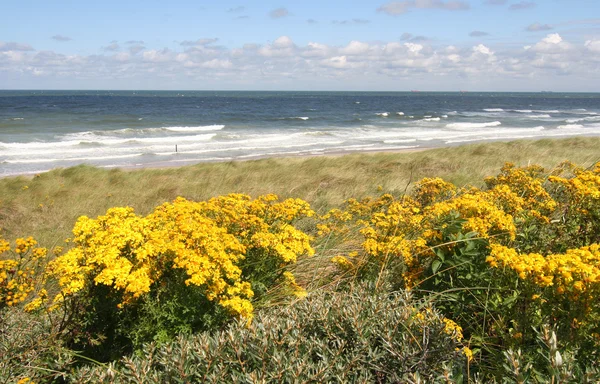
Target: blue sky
x,y
326,45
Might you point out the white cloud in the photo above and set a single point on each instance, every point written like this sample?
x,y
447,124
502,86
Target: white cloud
x,y
593,45
483,50
413,48
552,43
315,50
217,64
282,46
355,48
339,62
553,38
156,56
283,42
284,63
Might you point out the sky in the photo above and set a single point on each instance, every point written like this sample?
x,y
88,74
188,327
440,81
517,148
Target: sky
x,y
428,45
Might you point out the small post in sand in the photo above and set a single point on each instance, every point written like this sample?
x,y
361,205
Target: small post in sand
x,y
175,148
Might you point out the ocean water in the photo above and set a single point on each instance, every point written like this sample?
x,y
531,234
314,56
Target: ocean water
x,y
42,130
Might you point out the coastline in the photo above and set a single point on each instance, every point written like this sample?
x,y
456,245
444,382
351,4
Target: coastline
x,y
332,154
174,164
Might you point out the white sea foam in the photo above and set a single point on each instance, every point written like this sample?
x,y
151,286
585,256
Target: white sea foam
x,y
300,118
542,116
431,119
493,109
399,141
203,128
590,118
84,159
445,116
400,113
523,110
383,114
570,126
473,125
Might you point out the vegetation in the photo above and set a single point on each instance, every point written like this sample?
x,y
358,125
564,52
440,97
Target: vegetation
x,y
436,279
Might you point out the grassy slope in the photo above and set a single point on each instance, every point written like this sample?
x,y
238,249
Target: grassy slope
x,y
49,206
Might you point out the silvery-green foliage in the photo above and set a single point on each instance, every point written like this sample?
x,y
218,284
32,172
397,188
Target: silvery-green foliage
x,y
359,336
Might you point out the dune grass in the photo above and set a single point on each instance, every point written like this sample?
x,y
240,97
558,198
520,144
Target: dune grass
x,y
47,205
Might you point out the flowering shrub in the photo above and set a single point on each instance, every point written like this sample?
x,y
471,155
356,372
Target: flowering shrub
x,y
184,267
520,253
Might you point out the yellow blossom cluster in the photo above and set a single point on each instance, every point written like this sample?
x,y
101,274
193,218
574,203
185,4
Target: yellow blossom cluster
x,y
433,190
574,272
453,329
528,184
22,274
207,240
482,214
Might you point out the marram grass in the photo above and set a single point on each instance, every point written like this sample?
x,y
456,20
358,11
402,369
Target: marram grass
x,y
47,205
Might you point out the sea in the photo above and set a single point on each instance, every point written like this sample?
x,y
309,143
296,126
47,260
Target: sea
x,y
43,130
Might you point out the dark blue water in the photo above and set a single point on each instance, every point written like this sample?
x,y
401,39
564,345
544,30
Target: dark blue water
x,y
41,130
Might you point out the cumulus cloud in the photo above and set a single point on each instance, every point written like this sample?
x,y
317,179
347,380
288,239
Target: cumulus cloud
x,y
413,48
283,46
496,2
482,49
401,7
61,38
522,5
593,45
275,64
478,34
217,64
135,42
12,46
278,13
535,27
355,48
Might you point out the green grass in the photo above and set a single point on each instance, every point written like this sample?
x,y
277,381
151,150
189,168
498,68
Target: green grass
x,y
52,201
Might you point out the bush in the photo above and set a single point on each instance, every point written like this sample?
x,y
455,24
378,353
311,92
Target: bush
x,y
186,267
360,336
521,253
